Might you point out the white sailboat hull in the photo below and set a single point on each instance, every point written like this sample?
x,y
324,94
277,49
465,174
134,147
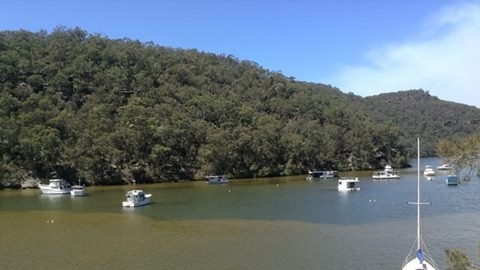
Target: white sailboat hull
x,y
415,264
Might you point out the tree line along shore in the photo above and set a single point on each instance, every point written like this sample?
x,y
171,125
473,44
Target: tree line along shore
x,y
81,106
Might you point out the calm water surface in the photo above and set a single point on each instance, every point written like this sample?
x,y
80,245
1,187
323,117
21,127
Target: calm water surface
x,y
278,223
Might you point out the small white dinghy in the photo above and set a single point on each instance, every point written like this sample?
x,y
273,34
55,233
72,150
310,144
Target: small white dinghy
x,y
419,259
136,198
78,191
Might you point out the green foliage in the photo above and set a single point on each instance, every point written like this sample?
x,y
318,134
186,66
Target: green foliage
x,y
458,260
82,106
418,114
462,152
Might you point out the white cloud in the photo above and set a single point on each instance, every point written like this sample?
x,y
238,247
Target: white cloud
x,y
445,62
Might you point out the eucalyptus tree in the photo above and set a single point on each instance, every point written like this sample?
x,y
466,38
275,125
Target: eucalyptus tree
x,y
462,153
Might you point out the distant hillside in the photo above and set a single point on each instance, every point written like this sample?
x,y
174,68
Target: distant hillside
x,y
418,114
81,106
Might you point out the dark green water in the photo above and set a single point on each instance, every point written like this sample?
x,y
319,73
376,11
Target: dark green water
x,y
278,223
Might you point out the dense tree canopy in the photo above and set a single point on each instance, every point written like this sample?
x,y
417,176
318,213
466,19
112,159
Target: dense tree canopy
x,y
82,106
418,114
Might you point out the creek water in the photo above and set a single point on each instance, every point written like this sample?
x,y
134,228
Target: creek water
x,y
274,223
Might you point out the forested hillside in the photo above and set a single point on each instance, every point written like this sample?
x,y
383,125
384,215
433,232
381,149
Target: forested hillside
x,y
418,114
81,106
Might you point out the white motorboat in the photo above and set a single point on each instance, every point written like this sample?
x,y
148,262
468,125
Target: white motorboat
x,y
429,171
387,173
445,167
55,187
321,175
217,180
78,190
348,184
419,258
136,198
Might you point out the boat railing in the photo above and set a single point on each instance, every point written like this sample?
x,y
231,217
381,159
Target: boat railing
x,y
413,253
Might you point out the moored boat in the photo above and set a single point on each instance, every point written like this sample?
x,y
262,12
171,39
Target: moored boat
x,y
451,180
387,173
445,167
429,171
136,197
217,180
321,175
55,187
78,190
348,184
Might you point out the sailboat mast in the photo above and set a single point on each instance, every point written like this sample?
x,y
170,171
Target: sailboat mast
x,y
418,193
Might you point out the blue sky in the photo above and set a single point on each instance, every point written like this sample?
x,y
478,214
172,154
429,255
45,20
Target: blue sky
x,y
366,47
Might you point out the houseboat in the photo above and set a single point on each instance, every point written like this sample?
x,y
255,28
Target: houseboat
x,y
348,184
